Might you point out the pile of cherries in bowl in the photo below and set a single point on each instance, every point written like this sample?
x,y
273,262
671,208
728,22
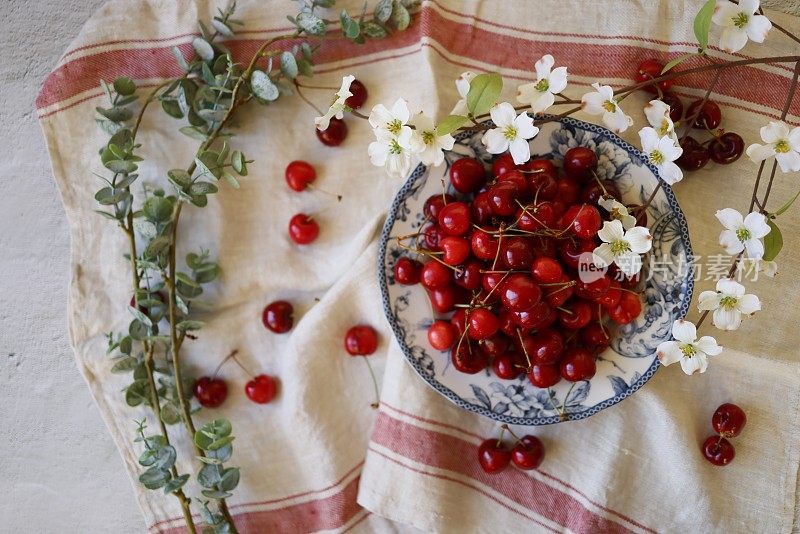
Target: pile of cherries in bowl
x,y
499,261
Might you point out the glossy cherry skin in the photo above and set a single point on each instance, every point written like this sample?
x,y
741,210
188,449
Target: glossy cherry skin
x,y
517,253
210,392
544,376
299,174
593,290
584,221
359,96
459,321
261,389
528,453
502,164
709,116
435,275
540,164
569,191
729,420
593,192
537,217
467,175
595,338
484,245
547,347
505,367
694,156
454,218
303,229
717,450
675,106
570,251
519,292
628,308
442,335
502,198
482,323
407,271
466,360
335,134
481,208
493,457
546,270
469,275
444,299
543,185
579,162
576,315
494,346
278,316
610,298
361,340
432,236
434,204
649,69
518,179
456,249
577,364
558,295
727,148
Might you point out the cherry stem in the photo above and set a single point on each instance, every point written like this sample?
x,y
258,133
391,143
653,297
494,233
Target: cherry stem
x,y
232,354
525,352
508,429
500,438
423,252
377,402
304,86
245,369
306,100
319,189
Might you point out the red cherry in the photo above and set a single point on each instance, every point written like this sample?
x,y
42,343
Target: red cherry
x,y
727,148
544,376
595,338
482,323
467,175
435,275
502,198
517,178
543,185
481,208
576,315
610,298
210,392
649,69
299,174
709,116
407,271
718,450
540,216
303,229
432,236
441,335
520,292
469,275
569,191
694,156
547,347
484,245
459,321
558,295
361,340
593,192
434,204
627,310
505,367
261,389
444,299
540,164
359,96
502,164
517,253
528,453
578,364
278,316
466,360
729,420
494,346
490,280
675,106
570,251
593,290
493,456
537,317
335,134
546,270
585,220
579,162
456,249
454,218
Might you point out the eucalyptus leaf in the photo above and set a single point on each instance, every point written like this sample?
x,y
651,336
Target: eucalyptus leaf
x,y
158,209
175,484
154,478
216,494
136,393
212,115
289,65
186,279
124,86
373,30
125,365
239,163
179,177
203,48
157,246
194,132
401,18
230,479
170,413
179,58
218,444
115,114
121,166
231,179
222,28
310,23
165,457
209,476
172,108
141,317
350,28
383,10
484,89
677,61
702,23
203,188
773,241
189,325
262,87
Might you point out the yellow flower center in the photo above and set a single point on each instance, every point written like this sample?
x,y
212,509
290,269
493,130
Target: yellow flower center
x,y
510,133
610,106
688,350
619,246
656,157
741,19
542,85
728,303
394,147
664,128
428,137
743,234
394,126
782,146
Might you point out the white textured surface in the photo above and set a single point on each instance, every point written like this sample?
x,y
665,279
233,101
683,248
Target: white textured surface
x,y
59,468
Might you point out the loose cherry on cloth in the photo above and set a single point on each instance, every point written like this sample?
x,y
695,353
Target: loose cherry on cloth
x,y
278,316
261,389
432,503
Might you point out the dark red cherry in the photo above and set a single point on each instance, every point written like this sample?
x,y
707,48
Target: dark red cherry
x,y
493,456
593,290
456,249
649,69
434,204
505,367
528,453
495,345
459,321
469,275
467,360
518,179
454,218
502,164
547,347
435,275
407,271
543,185
594,191
729,420
718,450
261,389
519,292
577,364
575,315
539,165
432,235
467,175
584,220
569,191
299,174
278,316
210,392
544,376
442,335
484,245
444,299
727,148
675,106
481,208
570,251
709,116
335,134
361,340
579,162
303,229
627,310
482,323
546,270
694,156
595,338
610,298
557,295
359,96
503,198
517,253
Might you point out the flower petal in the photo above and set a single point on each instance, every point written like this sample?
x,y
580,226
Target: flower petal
x,y
543,66
670,172
733,39
655,111
520,151
558,79
602,256
684,331
400,110
774,131
495,141
611,231
527,93
749,6
730,242
639,239
649,138
727,319
460,108
758,27
754,248
379,116
724,13
730,287
378,152
758,153
756,223
709,300
617,121
730,218
524,125
592,103
668,353
629,263
503,114
788,161
708,345
462,83
542,101
696,364
749,304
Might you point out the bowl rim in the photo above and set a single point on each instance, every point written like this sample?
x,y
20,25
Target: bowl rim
x,y
391,217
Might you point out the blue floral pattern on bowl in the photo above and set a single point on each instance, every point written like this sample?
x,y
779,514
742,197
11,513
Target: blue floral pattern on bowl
x,y
626,365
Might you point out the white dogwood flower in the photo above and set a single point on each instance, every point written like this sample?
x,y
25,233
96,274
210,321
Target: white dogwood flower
x,y
394,151
742,233
729,302
622,247
657,113
434,145
781,142
739,23
549,82
662,152
691,352
602,102
394,121
338,105
619,211
511,133
462,86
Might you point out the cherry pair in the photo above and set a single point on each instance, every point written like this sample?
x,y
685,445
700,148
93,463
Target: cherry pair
x,y
494,455
728,421
336,132
212,391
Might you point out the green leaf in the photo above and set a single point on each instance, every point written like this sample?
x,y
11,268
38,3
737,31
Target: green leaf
x,y
125,365
786,206
677,61
124,86
231,179
230,479
373,30
203,48
189,325
141,317
401,18
175,484
209,476
289,65
218,444
207,164
115,114
262,86
702,23
773,241
165,457
126,181
158,209
238,163
179,58
136,393
172,108
311,23
212,115
203,188
179,177
147,458
350,28
450,124
215,494
154,478
108,196
222,28
218,428
383,10
194,132
307,51
484,89
157,246
207,273
118,165
170,413
137,330
106,89
306,67
186,279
